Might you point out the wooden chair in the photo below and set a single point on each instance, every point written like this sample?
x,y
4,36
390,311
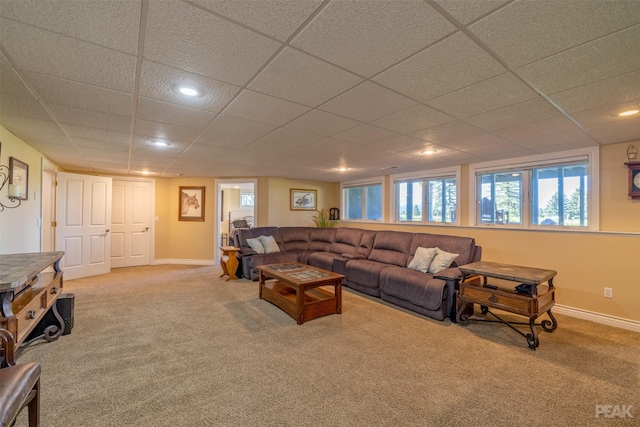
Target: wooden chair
x,y
20,385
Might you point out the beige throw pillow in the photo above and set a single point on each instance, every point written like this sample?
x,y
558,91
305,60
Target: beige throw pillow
x,y
422,259
442,261
256,245
270,244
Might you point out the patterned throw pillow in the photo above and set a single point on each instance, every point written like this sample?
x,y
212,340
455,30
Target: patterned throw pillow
x,y
270,244
422,259
256,245
442,261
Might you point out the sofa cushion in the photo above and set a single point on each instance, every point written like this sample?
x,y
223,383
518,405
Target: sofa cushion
x,y
366,243
365,273
323,259
347,240
414,286
254,233
422,259
391,247
321,239
272,258
295,238
442,261
269,244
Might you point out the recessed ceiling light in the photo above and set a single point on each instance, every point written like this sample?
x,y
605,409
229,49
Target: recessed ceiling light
x,y
342,169
160,144
429,152
188,90
629,113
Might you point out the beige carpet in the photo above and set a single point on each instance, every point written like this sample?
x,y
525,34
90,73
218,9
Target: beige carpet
x,y
176,346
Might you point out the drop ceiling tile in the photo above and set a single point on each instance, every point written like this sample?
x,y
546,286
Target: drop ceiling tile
x,y
164,131
451,64
65,92
53,148
152,155
26,124
99,144
367,102
235,126
277,18
500,151
113,24
600,59
497,92
301,78
263,108
188,38
150,109
22,107
48,53
160,82
564,146
561,138
538,129
476,141
328,146
110,152
448,131
514,115
526,31
398,144
223,140
413,119
203,152
67,114
141,142
624,88
611,133
289,138
365,134
368,36
76,131
322,123
606,115
10,83
268,148
468,11
419,152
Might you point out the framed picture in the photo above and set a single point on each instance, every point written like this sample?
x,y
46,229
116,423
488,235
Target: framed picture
x,y
18,179
303,200
191,206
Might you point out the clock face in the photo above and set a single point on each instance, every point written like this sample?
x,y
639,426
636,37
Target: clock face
x,y
636,180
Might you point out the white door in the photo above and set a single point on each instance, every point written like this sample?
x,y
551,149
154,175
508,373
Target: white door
x,y
84,222
48,211
131,223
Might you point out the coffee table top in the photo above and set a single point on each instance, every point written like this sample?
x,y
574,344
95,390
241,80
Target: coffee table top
x,y
527,275
298,273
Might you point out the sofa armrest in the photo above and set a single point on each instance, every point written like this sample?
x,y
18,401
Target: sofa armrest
x,y
452,276
243,252
451,273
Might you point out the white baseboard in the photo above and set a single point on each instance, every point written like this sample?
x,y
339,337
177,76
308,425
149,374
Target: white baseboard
x,y
605,319
184,261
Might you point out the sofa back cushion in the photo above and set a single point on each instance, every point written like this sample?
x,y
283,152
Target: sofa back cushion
x,y
254,233
347,240
321,239
463,246
391,247
366,243
295,238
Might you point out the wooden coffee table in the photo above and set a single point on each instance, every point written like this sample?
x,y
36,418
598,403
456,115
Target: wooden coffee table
x,y
297,290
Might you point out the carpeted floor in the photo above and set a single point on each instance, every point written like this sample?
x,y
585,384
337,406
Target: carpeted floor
x,y
177,346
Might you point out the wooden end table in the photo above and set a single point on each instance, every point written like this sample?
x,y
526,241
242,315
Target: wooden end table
x,y
229,262
296,290
532,305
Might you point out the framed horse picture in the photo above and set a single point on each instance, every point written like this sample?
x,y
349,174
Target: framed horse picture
x,y
191,204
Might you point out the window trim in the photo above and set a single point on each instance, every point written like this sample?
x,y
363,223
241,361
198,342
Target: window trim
x,y
363,183
591,155
453,172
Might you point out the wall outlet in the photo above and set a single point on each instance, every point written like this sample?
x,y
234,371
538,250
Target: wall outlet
x,y
608,292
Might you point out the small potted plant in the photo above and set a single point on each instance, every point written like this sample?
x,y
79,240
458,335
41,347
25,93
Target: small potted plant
x,y
322,219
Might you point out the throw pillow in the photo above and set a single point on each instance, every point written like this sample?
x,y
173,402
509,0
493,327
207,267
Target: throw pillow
x,y
422,259
256,245
270,244
442,261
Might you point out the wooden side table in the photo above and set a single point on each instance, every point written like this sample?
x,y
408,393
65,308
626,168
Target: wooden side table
x,y
229,262
532,305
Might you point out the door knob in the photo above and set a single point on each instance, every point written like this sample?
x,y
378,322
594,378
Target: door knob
x,y
107,230
145,229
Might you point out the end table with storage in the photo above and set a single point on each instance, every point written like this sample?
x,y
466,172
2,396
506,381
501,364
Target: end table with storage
x,y
532,303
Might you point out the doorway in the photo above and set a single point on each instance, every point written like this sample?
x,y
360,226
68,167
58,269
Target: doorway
x,y
237,200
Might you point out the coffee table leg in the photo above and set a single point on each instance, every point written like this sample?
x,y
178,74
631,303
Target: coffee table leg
x,y
300,304
338,294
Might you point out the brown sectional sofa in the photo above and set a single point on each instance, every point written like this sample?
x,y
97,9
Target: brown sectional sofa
x,y
373,262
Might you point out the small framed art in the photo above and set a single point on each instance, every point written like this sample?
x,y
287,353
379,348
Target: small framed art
x,y
191,206
18,179
303,200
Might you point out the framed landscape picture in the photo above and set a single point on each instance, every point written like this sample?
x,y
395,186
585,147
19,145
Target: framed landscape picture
x,y
303,200
191,204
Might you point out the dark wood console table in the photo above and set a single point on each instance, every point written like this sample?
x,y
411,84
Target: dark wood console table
x,y
532,304
27,294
